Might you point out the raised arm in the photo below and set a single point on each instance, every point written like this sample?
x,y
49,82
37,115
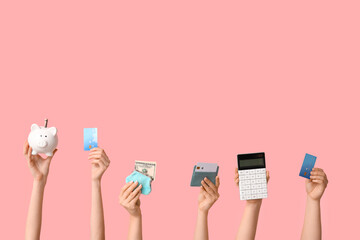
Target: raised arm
x,y
39,168
130,199
99,162
248,224
209,194
315,188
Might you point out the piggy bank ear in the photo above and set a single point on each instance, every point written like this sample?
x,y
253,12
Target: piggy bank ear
x,y
34,127
53,130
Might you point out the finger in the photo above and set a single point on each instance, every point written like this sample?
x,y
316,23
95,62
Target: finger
x,y
130,189
99,156
134,193
236,170
206,187
26,148
267,176
317,173
217,181
102,161
96,149
205,193
237,181
134,200
94,155
318,169
29,153
210,184
318,181
317,178
126,186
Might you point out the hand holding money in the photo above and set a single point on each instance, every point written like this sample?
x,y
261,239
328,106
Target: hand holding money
x,y
130,198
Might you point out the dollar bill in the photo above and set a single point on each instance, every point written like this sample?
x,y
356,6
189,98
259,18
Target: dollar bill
x,y
146,168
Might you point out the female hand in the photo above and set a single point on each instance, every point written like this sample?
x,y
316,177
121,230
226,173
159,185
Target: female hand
x,y
39,167
100,162
316,185
209,194
130,198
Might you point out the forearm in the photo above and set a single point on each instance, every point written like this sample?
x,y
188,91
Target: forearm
x,y
201,230
312,222
135,227
248,224
33,222
97,213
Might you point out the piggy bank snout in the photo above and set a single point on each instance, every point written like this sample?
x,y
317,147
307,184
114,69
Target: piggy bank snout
x,y
42,143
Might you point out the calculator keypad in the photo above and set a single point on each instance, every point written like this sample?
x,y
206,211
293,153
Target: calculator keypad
x,y
252,184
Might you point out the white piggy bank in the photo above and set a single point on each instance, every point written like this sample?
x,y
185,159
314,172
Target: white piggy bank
x,y
43,140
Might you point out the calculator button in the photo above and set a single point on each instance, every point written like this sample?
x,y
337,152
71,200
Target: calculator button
x,y
258,181
241,173
258,176
252,176
252,171
247,181
253,181
247,176
242,178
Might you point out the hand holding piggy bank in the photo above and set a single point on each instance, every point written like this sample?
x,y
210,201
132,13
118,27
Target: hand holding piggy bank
x,y
43,139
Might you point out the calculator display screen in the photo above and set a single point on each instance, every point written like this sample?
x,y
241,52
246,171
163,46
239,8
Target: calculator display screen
x,y
251,161
257,162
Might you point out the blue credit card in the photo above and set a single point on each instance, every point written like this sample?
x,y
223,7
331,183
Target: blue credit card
x,y
90,138
307,166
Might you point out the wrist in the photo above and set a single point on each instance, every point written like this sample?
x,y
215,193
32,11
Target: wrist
x,y
313,201
96,182
135,214
256,203
203,212
39,183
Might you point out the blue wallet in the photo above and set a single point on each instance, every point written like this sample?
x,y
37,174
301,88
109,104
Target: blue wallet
x,y
197,177
142,179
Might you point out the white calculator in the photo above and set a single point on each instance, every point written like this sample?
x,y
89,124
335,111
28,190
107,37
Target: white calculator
x,y
252,176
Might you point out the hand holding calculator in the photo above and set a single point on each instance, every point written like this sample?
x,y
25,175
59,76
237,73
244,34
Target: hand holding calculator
x,y
252,176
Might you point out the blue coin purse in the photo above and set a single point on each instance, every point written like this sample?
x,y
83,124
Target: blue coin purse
x,y
142,179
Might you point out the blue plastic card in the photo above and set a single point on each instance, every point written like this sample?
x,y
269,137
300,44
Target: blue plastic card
x,y
90,138
307,166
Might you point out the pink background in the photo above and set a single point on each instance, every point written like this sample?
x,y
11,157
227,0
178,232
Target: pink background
x,y
179,82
